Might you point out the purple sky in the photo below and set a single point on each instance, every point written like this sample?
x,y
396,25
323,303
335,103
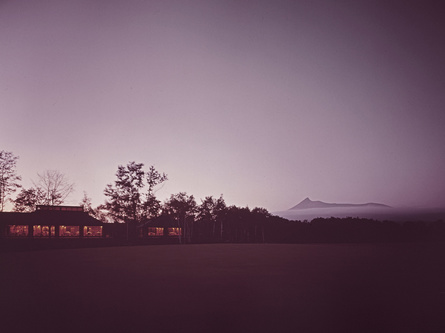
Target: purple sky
x,y
266,102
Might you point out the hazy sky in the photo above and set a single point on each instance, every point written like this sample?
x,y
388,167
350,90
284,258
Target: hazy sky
x,y
266,102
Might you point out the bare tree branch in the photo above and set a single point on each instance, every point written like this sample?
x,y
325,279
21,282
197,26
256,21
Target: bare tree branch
x,y
55,186
8,177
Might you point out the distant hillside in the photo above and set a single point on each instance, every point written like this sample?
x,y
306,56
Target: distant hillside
x,y
308,203
307,210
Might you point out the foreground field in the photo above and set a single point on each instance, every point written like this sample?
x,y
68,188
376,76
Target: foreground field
x,y
225,288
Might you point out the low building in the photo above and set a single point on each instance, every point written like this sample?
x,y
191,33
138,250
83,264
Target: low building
x,y
50,222
163,226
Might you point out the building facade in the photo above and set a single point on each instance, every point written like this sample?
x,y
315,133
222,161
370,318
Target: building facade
x,y
50,222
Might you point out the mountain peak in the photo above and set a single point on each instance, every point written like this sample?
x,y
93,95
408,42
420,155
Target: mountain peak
x,y
308,203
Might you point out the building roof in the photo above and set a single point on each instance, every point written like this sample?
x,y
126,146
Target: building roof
x,y
160,221
60,208
50,215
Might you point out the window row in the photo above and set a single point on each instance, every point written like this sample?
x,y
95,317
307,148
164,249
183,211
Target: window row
x,y
158,231
50,231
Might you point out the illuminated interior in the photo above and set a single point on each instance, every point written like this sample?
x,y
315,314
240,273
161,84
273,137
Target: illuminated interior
x,y
174,231
155,231
18,230
43,231
69,231
92,231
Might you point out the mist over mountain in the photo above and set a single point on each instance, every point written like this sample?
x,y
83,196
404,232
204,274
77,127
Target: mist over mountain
x,y
309,210
308,203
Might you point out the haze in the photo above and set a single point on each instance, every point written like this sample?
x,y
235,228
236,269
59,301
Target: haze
x,y
266,102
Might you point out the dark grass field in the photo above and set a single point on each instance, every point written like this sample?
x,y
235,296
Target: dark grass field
x,y
225,288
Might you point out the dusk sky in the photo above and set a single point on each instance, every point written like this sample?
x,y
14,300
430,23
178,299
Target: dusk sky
x,y
265,102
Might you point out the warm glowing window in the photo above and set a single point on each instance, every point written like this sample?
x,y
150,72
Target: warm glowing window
x,y
174,231
69,231
18,230
93,231
155,231
43,231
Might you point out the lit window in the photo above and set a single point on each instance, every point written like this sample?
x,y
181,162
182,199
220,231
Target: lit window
x,y
18,230
92,231
155,231
174,231
43,231
69,231
36,230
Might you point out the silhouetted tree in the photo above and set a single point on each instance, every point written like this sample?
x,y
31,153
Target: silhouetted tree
x,y
206,218
238,223
55,187
8,176
126,201
88,207
52,188
27,199
211,215
125,197
260,217
152,206
220,209
102,214
154,178
182,208
97,213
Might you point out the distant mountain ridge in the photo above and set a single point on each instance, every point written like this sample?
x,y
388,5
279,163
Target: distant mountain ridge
x,y
308,203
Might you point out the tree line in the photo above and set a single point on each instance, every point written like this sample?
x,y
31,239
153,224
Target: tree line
x,y
51,188
131,199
